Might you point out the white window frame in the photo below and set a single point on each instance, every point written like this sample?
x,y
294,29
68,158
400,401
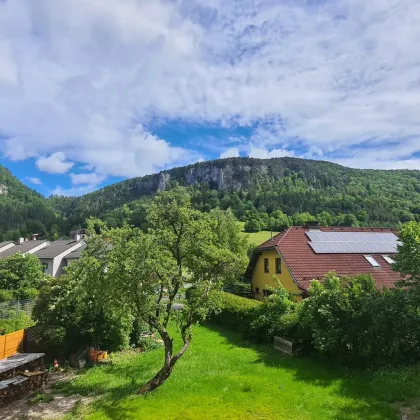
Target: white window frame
x,y
388,259
372,261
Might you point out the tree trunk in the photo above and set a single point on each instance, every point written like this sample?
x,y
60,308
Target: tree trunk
x,y
168,365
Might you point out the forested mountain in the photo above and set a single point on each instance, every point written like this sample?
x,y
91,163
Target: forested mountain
x,y
265,193
23,210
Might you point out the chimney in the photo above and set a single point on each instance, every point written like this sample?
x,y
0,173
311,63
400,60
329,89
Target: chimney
x,y
312,225
77,237
21,240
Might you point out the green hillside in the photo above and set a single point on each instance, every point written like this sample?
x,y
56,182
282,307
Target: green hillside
x,y
274,192
23,210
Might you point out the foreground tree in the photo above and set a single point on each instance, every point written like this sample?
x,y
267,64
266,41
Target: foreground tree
x,y
129,271
408,257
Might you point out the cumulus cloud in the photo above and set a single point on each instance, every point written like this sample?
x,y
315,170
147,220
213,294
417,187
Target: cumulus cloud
x,y
54,164
33,180
90,78
263,153
86,178
229,153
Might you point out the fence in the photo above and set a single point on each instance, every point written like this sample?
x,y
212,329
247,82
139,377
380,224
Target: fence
x,y
11,309
11,343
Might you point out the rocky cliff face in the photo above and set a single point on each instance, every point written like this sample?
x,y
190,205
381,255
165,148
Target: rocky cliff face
x,y
220,177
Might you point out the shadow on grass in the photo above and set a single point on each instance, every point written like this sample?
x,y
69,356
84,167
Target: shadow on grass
x,y
368,394
377,394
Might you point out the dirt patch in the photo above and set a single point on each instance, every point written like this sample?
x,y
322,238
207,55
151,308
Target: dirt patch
x,y
408,410
58,407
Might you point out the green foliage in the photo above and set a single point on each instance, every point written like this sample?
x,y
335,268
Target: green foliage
x,y
252,225
408,257
275,193
23,211
17,320
69,320
347,319
20,276
276,316
40,398
148,344
234,312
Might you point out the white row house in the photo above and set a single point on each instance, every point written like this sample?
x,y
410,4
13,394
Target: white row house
x,y
53,255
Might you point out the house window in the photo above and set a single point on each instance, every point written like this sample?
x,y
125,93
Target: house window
x,y
267,293
257,290
389,260
278,265
372,261
44,267
266,266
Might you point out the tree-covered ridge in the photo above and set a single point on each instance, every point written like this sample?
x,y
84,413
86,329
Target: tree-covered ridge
x,y
24,211
266,193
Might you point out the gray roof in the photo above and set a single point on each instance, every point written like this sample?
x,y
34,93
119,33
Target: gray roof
x,y
23,247
56,248
2,244
75,254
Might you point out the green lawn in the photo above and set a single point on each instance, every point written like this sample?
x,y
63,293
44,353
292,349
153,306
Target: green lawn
x,y
257,238
223,377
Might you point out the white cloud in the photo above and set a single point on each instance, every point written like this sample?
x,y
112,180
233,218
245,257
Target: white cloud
x,y
83,178
262,153
228,153
74,191
88,77
54,164
34,180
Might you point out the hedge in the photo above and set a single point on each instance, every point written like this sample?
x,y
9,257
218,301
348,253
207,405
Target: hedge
x,y
235,312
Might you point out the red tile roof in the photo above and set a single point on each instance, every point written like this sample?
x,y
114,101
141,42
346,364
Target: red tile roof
x,y
305,265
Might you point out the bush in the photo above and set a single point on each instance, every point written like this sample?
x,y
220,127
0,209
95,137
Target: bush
x,y
234,312
148,344
239,289
349,320
19,321
276,316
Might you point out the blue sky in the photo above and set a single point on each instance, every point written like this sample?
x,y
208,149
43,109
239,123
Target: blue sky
x,y
93,91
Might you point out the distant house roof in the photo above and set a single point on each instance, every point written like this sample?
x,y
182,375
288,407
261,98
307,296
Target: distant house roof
x,y
5,243
56,248
298,250
22,248
75,254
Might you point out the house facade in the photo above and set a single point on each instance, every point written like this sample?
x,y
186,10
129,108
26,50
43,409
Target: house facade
x,y
304,253
52,255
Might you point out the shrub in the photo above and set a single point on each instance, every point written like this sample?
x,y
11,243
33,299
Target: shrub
x,y
234,312
239,289
348,319
148,344
18,321
276,316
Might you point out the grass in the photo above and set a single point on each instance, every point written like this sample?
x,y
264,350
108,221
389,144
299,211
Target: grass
x,y
224,377
257,238
40,398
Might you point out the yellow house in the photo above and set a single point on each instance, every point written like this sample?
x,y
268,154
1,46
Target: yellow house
x,y
270,267
303,253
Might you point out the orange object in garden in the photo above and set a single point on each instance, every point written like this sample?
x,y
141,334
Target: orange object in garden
x,y
93,354
55,364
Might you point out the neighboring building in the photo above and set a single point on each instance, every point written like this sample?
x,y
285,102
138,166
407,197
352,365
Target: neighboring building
x,y
24,247
75,255
302,254
6,245
53,256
